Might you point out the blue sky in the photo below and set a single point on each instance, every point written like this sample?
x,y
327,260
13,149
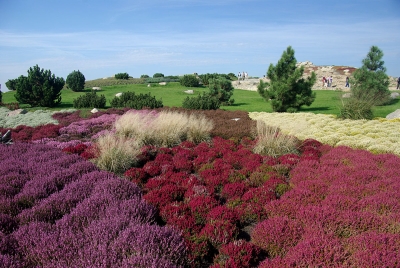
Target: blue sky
x,y
176,37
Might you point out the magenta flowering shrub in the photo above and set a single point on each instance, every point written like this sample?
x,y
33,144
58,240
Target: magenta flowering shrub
x,y
238,253
58,210
347,203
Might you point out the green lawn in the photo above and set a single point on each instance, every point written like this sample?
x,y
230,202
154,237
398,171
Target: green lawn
x,y
172,95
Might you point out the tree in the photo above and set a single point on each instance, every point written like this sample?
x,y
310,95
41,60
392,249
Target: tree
x,y
370,83
76,81
11,84
124,76
39,88
1,96
222,89
158,75
287,90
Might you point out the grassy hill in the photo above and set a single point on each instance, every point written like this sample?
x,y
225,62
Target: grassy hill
x,y
172,94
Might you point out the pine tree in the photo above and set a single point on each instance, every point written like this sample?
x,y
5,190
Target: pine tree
x,y
287,90
39,88
370,82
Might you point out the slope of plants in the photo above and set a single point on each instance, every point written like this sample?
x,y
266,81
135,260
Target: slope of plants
x,y
207,203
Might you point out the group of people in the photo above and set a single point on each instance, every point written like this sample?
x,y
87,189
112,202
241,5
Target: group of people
x,y
242,76
327,81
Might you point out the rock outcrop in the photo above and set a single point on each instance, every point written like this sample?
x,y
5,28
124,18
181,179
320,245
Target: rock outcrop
x,y
338,73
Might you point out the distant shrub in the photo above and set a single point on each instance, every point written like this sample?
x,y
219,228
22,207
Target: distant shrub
x,y
144,76
76,81
162,79
205,78
131,100
90,100
189,80
122,76
357,108
11,84
204,101
222,89
158,75
1,96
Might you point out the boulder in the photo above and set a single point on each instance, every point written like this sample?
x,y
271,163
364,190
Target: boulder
x,y
346,95
189,91
94,110
17,112
162,83
96,88
395,114
394,95
118,94
148,85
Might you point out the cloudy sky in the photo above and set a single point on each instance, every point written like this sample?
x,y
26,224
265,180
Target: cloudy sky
x,y
175,37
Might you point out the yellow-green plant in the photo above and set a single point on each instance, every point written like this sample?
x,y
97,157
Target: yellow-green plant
x,y
116,153
164,129
377,136
271,141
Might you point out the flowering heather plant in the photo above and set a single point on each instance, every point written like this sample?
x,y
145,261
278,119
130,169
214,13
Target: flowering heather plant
x,y
91,218
277,235
238,253
200,206
87,127
219,232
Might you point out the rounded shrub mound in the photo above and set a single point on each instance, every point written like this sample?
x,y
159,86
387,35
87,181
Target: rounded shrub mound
x,y
90,100
134,101
76,81
201,102
189,80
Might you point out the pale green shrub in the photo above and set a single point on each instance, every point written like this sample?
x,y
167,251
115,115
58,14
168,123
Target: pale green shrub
x,y
116,153
32,119
271,141
165,129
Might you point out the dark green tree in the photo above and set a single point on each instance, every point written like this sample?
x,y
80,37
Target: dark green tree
x,y
11,84
189,80
76,81
39,88
1,96
158,75
222,89
370,83
124,76
287,89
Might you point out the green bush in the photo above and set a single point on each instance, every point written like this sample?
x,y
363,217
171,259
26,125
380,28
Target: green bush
x,y
131,100
76,81
122,76
189,80
1,97
222,89
90,100
144,76
355,109
10,84
205,78
39,88
201,102
156,75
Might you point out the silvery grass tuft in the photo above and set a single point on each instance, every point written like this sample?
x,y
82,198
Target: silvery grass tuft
x,y
164,129
271,141
116,153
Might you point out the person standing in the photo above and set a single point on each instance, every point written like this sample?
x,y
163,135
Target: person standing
x,y
347,81
398,82
323,81
330,81
243,76
239,76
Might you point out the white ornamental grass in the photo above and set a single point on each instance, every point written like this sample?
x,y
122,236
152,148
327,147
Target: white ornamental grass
x,y
377,136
